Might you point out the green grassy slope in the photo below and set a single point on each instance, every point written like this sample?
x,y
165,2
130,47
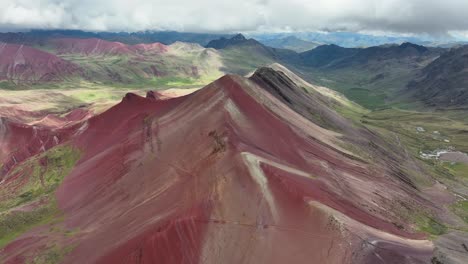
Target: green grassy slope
x,y
29,200
174,69
244,59
442,130
371,86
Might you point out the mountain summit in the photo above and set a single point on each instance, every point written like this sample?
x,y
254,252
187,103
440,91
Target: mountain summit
x,y
223,42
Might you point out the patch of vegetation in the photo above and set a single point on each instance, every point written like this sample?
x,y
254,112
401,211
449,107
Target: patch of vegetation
x,y
7,85
53,254
96,95
457,169
15,223
367,98
353,112
461,209
430,225
172,81
420,218
29,201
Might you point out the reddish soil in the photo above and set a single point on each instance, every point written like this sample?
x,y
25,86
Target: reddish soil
x,y
89,46
226,174
20,140
94,46
19,63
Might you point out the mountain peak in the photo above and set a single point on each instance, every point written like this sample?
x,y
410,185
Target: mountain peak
x,y
226,42
238,37
419,48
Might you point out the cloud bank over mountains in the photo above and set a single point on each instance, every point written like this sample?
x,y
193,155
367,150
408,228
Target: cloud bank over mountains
x,y
400,16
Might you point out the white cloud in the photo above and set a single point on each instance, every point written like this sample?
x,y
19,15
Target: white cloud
x,y
405,16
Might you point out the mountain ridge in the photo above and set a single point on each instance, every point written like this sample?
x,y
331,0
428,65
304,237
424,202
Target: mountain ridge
x,y
22,64
292,43
232,177
443,83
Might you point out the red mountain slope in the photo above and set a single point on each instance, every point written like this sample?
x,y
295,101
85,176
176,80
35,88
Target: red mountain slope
x,y
94,46
20,63
20,140
228,174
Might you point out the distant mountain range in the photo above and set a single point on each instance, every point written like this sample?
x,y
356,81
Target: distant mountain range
x,y
165,37
333,56
291,43
356,40
298,41
373,76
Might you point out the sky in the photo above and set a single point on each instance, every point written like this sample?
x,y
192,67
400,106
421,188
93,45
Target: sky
x,y
437,18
